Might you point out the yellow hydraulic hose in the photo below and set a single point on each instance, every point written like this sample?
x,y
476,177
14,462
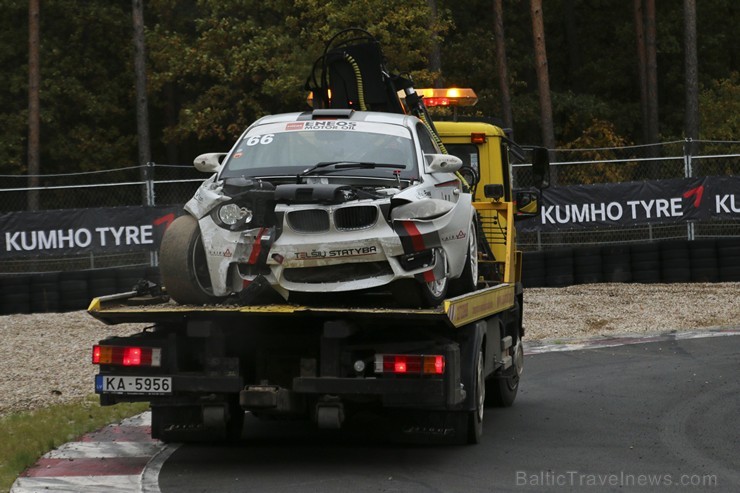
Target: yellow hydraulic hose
x,y
444,149
358,78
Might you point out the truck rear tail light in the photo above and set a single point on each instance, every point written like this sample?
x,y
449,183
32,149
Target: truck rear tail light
x,y
126,356
477,138
410,364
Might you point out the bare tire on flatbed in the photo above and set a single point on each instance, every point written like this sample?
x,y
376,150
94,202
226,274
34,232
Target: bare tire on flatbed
x,y
182,262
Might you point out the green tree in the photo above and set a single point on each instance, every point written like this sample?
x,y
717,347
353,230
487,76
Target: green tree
x,y
14,93
214,66
238,61
720,103
85,87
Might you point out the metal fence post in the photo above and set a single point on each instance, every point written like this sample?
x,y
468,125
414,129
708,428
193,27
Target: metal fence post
x,y
151,202
688,173
150,184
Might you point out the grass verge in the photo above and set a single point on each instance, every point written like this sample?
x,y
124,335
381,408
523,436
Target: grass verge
x,y
24,437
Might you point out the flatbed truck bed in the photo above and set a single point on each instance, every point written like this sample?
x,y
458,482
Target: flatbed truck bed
x,y
453,312
430,371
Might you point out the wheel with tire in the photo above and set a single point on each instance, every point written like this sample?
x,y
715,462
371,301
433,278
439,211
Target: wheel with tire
x,y
467,424
503,386
559,267
587,265
426,294
617,263
182,263
533,270
468,280
234,420
411,293
198,424
433,292
475,417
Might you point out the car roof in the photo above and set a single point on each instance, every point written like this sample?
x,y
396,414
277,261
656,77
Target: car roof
x,y
341,114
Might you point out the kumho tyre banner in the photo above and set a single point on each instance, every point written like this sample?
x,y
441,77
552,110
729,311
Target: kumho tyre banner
x,y
80,231
634,203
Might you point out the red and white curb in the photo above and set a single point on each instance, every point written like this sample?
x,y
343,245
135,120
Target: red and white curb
x,y
118,458
535,347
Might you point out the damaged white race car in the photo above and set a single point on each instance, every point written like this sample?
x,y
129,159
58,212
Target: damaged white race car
x,y
326,201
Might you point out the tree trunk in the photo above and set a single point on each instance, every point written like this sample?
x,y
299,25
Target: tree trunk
x,y
572,41
692,78
543,79
501,64
170,116
435,56
142,112
34,159
652,72
642,67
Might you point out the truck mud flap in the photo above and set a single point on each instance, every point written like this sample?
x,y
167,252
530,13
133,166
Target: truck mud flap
x,y
427,427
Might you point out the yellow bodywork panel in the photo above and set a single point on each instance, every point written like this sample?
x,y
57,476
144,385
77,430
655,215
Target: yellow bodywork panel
x,y
497,218
454,312
466,309
490,163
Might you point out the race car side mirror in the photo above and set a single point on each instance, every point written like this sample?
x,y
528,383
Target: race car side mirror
x,y
442,163
209,163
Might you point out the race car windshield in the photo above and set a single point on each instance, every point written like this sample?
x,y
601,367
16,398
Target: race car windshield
x,y
272,150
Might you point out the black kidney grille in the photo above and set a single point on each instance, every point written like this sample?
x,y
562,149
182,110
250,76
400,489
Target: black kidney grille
x,y
347,218
309,221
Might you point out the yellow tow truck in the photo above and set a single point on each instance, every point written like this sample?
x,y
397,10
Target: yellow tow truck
x,y
428,372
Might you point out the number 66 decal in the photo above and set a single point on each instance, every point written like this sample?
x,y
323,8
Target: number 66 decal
x,y
260,139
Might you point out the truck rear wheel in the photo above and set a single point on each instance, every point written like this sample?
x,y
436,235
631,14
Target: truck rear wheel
x,y
182,263
198,424
503,386
475,417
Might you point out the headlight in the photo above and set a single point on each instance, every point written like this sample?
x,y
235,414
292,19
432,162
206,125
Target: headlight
x,y
231,214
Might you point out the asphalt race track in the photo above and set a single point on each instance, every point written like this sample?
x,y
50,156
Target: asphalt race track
x,y
640,417
608,415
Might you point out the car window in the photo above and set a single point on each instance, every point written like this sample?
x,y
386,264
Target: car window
x,y
468,153
428,146
288,147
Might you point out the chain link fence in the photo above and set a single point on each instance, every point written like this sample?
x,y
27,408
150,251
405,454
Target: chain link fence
x,y
157,184
154,184
678,159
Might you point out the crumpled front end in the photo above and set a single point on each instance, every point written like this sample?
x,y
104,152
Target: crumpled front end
x,y
237,222
326,248
315,247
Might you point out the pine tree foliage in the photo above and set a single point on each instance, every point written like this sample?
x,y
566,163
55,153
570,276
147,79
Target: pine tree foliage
x,y
214,66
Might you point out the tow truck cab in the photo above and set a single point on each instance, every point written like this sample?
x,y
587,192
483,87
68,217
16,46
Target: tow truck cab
x,y
488,153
